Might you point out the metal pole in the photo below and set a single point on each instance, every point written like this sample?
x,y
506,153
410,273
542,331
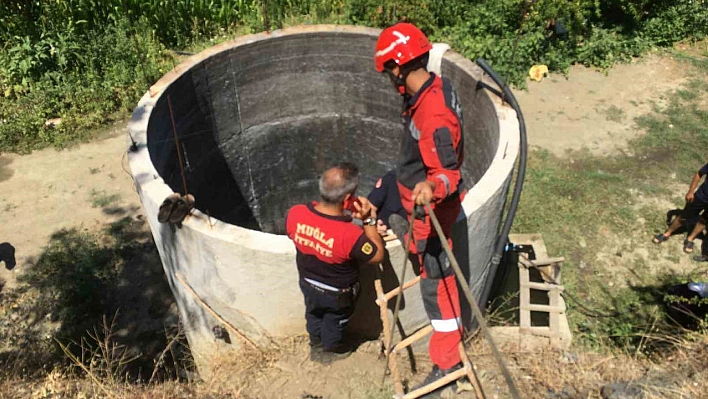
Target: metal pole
x,y
475,307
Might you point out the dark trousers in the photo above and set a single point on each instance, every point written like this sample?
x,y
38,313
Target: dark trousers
x,y
327,314
693,209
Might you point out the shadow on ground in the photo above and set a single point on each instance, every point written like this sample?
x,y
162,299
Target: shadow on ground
x,y
79,279
648,318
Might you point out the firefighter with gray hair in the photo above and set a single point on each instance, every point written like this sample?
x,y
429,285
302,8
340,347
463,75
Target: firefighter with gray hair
x,y
330,249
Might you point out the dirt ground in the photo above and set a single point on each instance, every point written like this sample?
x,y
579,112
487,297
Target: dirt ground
x,y
51,190
593,110
86,187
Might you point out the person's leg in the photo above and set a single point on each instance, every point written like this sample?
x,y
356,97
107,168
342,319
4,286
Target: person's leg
x,y
386,198
442,304
703,257
675,224
313,313
333,327
697,206
443,350
700,225
689,210
688,243
335,322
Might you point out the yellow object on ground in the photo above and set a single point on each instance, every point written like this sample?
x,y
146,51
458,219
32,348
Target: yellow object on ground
x,y
538,72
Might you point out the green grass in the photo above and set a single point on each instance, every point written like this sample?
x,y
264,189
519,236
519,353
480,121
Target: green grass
x,y
701,63
101,199
614,114
595,200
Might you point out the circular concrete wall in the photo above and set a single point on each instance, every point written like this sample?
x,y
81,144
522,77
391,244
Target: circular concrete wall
x,y
259,119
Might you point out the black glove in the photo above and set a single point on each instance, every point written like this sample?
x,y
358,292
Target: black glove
x,y
419,212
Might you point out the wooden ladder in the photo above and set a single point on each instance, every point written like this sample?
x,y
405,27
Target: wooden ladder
x,y
467,369
549,268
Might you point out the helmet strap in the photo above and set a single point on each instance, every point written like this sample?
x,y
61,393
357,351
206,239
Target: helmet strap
x,y
399,82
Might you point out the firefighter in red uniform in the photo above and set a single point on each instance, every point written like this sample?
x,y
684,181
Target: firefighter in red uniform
x,y
428,171
330,249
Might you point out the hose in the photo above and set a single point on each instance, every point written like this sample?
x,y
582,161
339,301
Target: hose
x,y
507,96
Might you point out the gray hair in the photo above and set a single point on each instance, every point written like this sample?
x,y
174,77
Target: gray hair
x,y
338,181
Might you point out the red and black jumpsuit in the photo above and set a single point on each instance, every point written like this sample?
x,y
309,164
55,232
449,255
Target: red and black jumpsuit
x,y
432,149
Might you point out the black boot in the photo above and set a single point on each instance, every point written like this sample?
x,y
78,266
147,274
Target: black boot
x,y
315,342
399,225
435,374
329,355
315,348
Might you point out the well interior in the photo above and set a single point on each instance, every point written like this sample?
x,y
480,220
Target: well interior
x,y
259,122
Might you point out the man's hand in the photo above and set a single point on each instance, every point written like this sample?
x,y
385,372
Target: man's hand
x,y
689,196
423,192
365,210
381,227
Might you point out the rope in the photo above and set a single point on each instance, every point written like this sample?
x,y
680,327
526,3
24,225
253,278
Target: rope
x,y
179,151
525,11
473,304
182,136
122,166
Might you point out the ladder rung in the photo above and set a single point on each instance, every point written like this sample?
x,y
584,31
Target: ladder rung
x,y
454,376
543,286
540,331
413,338
541,262
543,308
408,284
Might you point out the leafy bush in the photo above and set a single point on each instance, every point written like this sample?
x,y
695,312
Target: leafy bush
x,y
84,80
605,47
84,60
174,22
683,19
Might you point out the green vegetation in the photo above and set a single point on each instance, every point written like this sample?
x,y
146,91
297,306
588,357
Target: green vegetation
x,y
585,205
88,62
86,80
101,199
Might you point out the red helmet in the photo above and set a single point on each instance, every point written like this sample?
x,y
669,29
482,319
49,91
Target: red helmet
x,y
400,43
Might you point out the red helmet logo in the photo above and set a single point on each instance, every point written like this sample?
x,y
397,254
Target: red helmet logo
x,y
400,43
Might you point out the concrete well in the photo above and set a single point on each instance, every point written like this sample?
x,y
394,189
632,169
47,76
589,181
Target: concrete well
x,y
259,118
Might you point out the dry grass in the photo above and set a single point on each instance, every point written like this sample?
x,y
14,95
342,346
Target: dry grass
x,y
232,374
98,365
680,372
